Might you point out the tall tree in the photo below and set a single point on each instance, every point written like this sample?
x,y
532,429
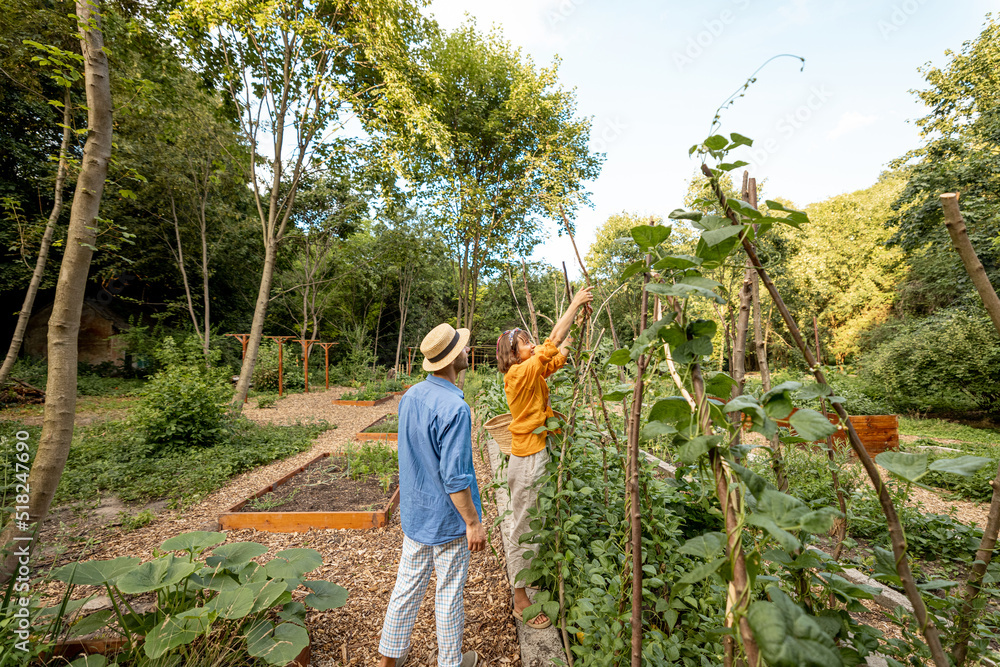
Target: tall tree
x,y
962,134
297,71
513,152
64,323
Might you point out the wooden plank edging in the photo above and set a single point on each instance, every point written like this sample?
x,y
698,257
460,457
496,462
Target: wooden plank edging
x,y
365,404
300,522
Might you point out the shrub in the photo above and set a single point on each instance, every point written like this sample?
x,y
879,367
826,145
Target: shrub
x,y
184,404
265,370
948,361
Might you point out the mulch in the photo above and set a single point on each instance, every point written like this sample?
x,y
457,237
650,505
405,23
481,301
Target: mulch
x,y
364,562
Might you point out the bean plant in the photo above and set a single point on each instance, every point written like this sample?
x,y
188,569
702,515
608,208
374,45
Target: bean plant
x,y
716,564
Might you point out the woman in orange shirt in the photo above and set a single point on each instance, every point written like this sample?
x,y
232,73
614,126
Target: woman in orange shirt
x,y
526,367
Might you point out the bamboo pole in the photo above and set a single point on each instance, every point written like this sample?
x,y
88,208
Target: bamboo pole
x,y
926,624
959,237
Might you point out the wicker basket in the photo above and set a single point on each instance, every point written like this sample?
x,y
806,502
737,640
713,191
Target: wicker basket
x,y
499,431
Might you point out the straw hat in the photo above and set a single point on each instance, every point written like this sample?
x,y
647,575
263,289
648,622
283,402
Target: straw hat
x,y
442,345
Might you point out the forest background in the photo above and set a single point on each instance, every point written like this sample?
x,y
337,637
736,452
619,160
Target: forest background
x,y
422,216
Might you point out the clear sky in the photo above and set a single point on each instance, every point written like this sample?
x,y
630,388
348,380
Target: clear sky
x,y
651,74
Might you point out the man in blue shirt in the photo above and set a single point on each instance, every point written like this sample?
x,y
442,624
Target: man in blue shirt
x,y
440,510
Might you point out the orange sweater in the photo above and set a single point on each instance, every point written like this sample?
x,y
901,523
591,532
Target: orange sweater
x,y
528,398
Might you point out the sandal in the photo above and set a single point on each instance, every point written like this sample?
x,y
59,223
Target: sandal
x,y
533,623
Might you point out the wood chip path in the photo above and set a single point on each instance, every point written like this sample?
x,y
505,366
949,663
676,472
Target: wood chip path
x,y
364,562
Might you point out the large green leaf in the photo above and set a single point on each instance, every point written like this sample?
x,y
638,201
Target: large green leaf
x,y
709,545
787,636
215,579
234,604
716,236
811,425
276,645
683,291
716,142
653,430
195,541
95,660
966,466
266,594
778,406
676,262
885,566
632,269
681,214
718,383
96,572
156,574
325,595
91,623
744,209
648,236
293,563
670,410
235,553
689,451
740,140
907,466
780,389
177,630
620,357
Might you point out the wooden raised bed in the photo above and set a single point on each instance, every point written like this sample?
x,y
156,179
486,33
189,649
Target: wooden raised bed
x,y
877,433
300,522
382,437
365,404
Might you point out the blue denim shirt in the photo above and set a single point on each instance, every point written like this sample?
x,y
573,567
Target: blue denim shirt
x,y
435,459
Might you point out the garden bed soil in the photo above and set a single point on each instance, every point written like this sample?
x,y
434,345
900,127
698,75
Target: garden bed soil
x,y
365,434
317,495
323,486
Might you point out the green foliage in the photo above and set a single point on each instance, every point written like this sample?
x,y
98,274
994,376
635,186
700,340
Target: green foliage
x,y
373,460
265,371
110,458
975,487
372,391
142,518
184,404
389,425
945,362
939,428
228,596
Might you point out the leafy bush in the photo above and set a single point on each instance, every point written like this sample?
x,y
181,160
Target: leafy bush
x,y
265,371
371,392
949,361
184,404
228,597
109,457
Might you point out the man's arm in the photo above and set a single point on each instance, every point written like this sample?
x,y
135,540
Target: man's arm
x,y
474,530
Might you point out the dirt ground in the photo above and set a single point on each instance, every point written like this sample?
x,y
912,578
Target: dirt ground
x,y
364,562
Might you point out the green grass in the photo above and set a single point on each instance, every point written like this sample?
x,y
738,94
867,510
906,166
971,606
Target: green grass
x,y
941,429
108,458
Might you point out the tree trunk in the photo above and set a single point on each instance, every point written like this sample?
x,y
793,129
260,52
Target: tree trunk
x,y
180,265
204,265
64,323
43,251
257,326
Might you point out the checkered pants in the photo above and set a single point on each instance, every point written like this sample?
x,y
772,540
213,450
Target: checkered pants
x,y
451,564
